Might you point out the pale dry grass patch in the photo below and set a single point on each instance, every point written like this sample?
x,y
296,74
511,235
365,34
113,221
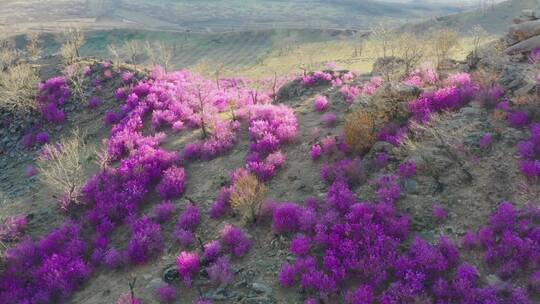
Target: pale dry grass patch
x,y
18,88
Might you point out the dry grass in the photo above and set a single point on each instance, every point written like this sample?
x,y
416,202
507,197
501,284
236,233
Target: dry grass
x,y
247,196
61,166
345,54
18,88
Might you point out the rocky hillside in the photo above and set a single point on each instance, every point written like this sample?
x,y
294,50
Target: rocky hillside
x,y
144,186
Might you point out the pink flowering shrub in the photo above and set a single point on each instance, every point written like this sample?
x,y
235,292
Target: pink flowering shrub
x,y
369,87
321,103
317,78
422,77
127,298
188,266
350,93
329,119
13,228
315,152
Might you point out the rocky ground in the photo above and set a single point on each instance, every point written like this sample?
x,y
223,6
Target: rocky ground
x,y
469,182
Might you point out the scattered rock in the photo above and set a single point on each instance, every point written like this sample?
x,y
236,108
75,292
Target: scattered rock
x,y
171,274
411,186
154,283
261,288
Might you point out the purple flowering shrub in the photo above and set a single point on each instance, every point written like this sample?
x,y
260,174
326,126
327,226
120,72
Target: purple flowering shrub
x,y
45,271
235,241
439,213
53,94
393,133
222,204
407,169
509,241
166,294
350,171
529,151
220,271
345,240
485,141
164,211
146,241
186,225
459,90
518,119
172,184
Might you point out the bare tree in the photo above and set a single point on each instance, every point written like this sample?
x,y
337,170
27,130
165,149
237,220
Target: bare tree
x,y
478,34
160,53
8,53
61,167
443,42
383,36
75,75
359,44
71,40
133,50
411,50
32,45
114,51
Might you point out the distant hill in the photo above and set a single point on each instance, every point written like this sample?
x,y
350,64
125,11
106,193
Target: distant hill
x,y
494,19
218,15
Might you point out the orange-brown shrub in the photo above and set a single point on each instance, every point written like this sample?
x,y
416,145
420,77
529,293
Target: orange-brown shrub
x,y
361,129
247,196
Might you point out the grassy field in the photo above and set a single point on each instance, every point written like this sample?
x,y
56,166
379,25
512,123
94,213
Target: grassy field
x,y
258,53
316,55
